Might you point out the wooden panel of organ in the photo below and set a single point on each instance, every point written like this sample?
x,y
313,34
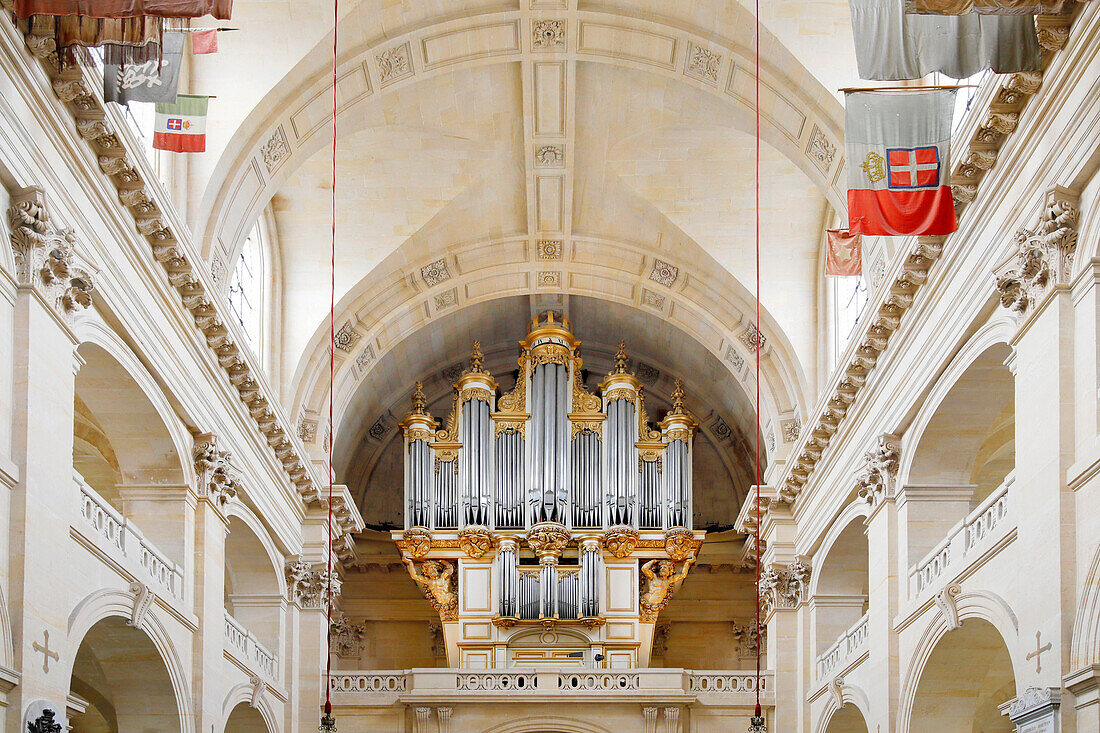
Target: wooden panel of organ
x,y
548,525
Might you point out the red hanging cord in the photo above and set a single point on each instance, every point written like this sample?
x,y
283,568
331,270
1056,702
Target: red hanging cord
x,y
331,370
759,639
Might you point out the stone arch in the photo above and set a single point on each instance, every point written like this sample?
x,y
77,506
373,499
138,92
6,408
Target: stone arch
x,y
105,617
254,585
297,118
1085,643
977,370
840,584
546,724
846,715
250,718
982,606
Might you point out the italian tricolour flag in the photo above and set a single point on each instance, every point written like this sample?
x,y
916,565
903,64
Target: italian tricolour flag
x,y
181,127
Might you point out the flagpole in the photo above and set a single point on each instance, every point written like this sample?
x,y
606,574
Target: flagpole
x,y
928,88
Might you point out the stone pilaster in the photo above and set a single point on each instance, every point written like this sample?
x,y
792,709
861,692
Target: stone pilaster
x,y
1034,285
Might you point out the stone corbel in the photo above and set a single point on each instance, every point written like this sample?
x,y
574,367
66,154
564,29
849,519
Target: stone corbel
x,y
258,687
1043,256
44,255
143,601
945,602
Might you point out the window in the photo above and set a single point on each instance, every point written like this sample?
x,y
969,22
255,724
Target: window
x,y
850,300
246,288
964,98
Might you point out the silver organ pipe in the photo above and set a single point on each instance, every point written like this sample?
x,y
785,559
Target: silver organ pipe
x,y
474,462
529,600
549,430
650,514
678,484
587,471
508,572
621,461
446,492
419,473
568,593
590,581
509,480
548,590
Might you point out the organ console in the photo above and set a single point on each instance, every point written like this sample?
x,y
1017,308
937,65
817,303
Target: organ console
x,y
548,512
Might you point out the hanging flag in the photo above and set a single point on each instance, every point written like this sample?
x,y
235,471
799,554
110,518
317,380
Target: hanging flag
x,y
220,9
986,7
843,253
181,127
144,82
204,42
134,39
892,45
898,151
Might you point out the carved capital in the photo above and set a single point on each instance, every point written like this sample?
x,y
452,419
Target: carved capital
x,y
679,543
621,540
784,587
308,584
475,540
876,480
548,540
417,541
218,480
1043,255
44,255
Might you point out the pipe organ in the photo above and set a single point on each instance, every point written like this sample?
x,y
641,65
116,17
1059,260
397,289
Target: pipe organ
x,y
549,509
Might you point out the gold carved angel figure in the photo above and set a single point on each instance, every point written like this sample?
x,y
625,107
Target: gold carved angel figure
x,y
661,584
436,580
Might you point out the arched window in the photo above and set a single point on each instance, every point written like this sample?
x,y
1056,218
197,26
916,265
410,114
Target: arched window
x,y
246,288
850,300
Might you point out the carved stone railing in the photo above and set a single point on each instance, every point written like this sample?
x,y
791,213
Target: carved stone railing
x,y
242,644
126,544
850,644
992,518
390,687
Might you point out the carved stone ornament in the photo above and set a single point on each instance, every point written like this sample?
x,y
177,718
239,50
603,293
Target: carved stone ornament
x,y
1043,256
275,150
439,643
748,643
308,585
548,540
44,723
143,601
218,480
679,543
879,473
418,542
621,540
475,540
703,63
660,579
436,579
783,588
548,34
1035,709
345,637
945,602
44,255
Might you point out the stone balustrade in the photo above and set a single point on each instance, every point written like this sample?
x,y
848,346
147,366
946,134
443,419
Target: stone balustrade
x,y
850,644
242,644
126,545
986,524
387,687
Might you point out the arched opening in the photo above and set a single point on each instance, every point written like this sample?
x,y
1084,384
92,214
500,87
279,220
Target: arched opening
x,y
253,598
245,719
967,676
847,719
122,683
965,454
839,601
124,453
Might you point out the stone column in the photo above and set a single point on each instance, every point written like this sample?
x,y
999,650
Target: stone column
x,y
1033,285
885,575
210,531
44,501
783,582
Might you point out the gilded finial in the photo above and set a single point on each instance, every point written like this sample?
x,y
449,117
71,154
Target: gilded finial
x,y
476,358
678,398
620,359
418,399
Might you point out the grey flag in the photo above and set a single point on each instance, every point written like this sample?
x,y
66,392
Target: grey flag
x,y
893,45
146,82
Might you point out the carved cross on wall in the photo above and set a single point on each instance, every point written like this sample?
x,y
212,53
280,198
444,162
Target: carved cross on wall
x,y
1037,654
47,653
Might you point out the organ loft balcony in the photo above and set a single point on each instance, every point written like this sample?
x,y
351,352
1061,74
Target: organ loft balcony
x,y
549,525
